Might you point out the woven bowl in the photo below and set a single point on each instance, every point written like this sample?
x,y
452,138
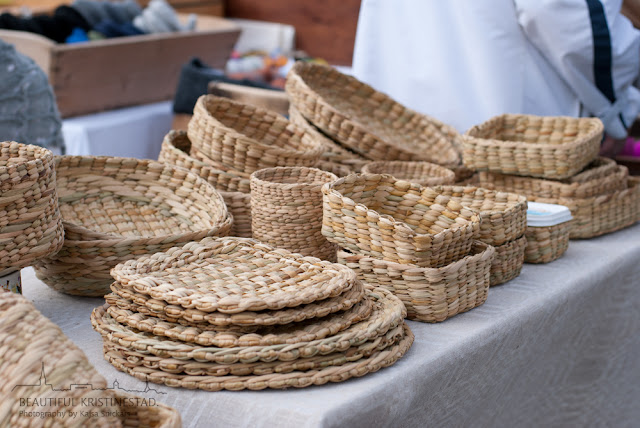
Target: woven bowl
x,y
30,224
286,210
508,260
115,209
422,173
553,147
366,121
247,138
429,294
378,216
546,244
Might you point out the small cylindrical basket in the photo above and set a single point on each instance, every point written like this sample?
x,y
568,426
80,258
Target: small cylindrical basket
x,y
546,244
286,209
378,216
508,261
247,138
553,147
30,221
429,294
422,173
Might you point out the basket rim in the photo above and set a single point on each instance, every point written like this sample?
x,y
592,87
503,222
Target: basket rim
x,y
261,177
446,172
38,162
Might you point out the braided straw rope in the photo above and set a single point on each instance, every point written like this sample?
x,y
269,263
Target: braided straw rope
x,y
30,225
248,138
429,294
422,173
546,244
553,147
375,215
507,263
286,210
503,215
118,208
366,121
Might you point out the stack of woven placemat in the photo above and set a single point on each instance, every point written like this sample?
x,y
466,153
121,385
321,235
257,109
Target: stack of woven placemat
x,y
232,313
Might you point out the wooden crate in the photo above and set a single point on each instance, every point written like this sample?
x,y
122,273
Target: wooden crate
x,y
113,73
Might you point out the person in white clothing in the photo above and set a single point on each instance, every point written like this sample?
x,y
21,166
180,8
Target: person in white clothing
x,y
463,62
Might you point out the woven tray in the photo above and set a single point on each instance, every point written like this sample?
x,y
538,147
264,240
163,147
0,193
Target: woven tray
x,y
176,149
366,121
296,379
233,275
599,169
245,321
388,313
287,210
422,173
553,147
375,215
30,221
503,215
248,138
546,244
507,263
429,294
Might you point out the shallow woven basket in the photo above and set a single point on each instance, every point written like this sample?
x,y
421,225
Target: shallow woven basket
x,y
30,221
286,210
599,169
546,244
422,173
248,138
507,263
554,147
367,121
115,209
429,294
503,215
378,216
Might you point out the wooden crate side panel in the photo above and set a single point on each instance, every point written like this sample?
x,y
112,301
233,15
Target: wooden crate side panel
x,y
35,46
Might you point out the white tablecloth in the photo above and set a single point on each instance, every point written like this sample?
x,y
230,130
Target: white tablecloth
x,y
557,346
130,132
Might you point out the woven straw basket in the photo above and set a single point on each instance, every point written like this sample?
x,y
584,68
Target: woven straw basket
x,y
30,225
429,294
422,173
507,263
40,362
599,169
549,147
247,138
115,209
546,244
378,216
234,190
366,121
286,209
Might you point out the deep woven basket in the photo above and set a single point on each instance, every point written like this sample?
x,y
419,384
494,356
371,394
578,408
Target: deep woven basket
x,y
115,209
286,210
367,121
508,260
546,244
378,216
503,215
30,221
247,138
422,173
553,147
429,294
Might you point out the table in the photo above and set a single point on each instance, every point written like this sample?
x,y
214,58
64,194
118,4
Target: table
x,y
557,346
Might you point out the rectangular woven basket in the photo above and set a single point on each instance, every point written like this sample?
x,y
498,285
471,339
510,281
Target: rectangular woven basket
x,y
546,244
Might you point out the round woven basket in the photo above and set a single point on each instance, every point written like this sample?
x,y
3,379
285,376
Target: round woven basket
x,y
553,147
286,209
30,224
115,209
247,138
422,173
367,121
546,244
507,263
378,216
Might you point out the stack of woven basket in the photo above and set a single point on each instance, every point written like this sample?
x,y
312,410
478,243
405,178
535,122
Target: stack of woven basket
x,y
554,160
233,313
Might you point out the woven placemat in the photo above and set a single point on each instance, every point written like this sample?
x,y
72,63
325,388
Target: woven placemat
x,y
137,302
388,313
296,379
